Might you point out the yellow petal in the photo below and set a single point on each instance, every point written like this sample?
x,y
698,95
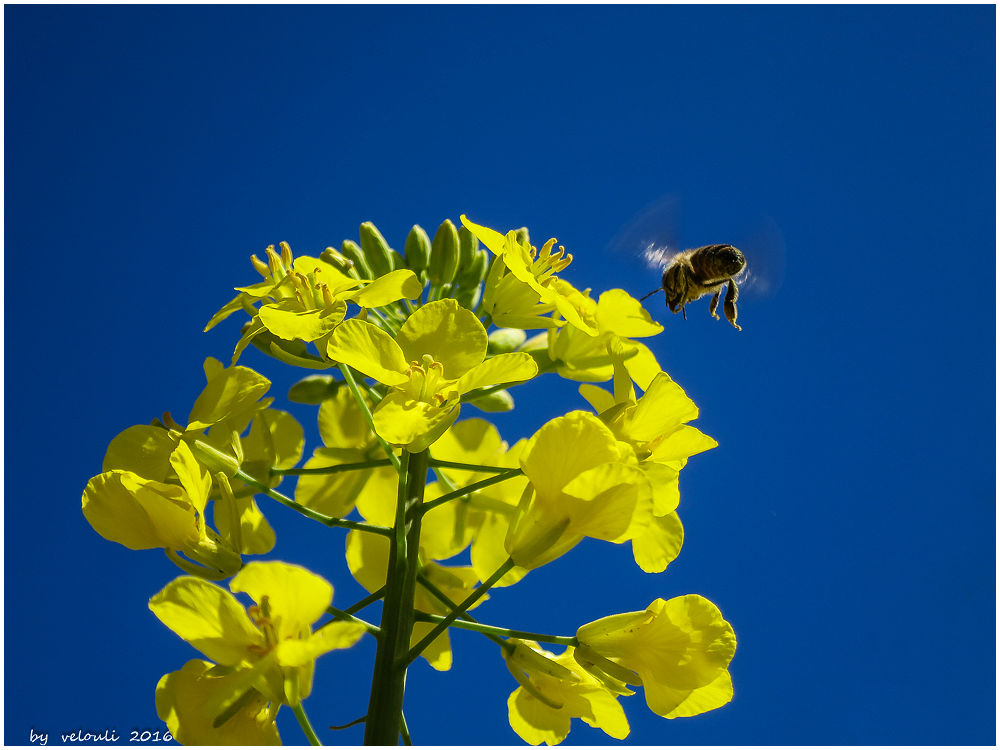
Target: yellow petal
x,y
449,333
138,513
342,424
207,617
514,367
143,449
662,408
563,448
489,237
659,543
620,313
196,481
681,443
405,422
369,349
395,285
535,722
231,394
691,703
296,595
299,652
287,320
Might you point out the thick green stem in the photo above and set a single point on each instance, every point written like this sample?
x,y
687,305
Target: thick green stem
x,y
385,705
435,463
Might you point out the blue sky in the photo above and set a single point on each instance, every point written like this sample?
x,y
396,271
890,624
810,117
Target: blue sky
x,y
845,525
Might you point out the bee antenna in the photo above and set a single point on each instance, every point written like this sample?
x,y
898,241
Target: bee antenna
x,y
658,289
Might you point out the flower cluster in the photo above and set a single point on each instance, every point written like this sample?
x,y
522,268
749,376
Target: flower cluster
x,y
398,343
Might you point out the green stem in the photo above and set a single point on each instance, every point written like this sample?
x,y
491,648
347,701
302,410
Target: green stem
x,y
374,463
300,714
435,463
471,599
404,731
508,474
370,599
309,512
353,385
446,600
385,705
340,615
478,627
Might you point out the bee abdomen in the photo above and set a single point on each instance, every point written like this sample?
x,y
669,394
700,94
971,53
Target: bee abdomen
x,y
714,264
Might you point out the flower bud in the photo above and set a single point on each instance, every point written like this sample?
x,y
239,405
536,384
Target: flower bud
x,y
444,254
212,458
503,340
473,272
337,260
522,236
494,402
352,251
468,246
418,249
313,389
376,250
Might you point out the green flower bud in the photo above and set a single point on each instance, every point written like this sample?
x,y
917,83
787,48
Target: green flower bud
x,y
444,254
475,271
397,261
337,260
468,246
522,236
494,402
313,389
418,249
376,250
468,297
352,251
503,340
213,459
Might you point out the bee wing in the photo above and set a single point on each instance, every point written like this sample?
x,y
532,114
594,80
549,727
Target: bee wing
x,y
764,248
652,233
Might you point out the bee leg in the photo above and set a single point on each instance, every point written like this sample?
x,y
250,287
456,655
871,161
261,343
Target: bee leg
x,y
730,304
684,312
714,304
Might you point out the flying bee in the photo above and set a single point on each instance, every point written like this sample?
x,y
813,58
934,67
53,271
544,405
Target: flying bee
x,y
692,274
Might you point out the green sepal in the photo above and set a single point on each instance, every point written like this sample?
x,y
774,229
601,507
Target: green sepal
x,y
502,340
493,402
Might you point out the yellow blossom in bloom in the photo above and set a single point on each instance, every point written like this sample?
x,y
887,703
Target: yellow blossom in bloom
x,y
655,426
581,483
184,701
438,355
522,286
142,513
677,650
271,645
616,316
554,690
305,298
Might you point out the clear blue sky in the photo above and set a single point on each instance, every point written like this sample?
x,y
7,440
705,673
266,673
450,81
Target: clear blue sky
x,y
845,525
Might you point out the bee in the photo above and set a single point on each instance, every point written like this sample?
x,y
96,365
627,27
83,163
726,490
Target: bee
x,y
692,274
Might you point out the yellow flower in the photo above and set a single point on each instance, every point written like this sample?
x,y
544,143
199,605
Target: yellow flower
x,y
655,426
522,286
307,297
615,316
580,484
142,513
438,355
554,690
272,645
184,701
678,650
